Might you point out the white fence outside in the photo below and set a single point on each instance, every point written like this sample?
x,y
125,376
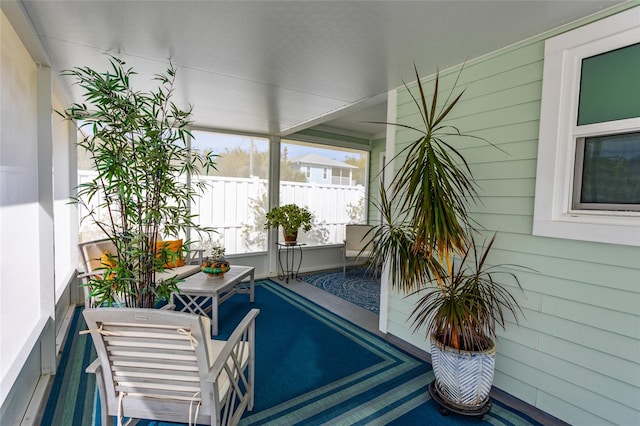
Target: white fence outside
x,y
235,207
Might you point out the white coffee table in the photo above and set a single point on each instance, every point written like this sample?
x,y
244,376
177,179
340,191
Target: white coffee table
x,y
199,289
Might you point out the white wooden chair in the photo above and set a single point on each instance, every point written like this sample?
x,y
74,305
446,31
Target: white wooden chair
x,y
162,365
358,243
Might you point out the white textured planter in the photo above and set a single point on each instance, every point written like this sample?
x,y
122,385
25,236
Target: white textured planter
x,y
463,378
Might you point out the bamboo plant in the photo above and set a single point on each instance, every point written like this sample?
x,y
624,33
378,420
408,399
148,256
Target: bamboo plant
x,y
138,144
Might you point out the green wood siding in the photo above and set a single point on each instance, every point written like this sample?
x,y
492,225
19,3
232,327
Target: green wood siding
x,y
576,353
377,148
333,136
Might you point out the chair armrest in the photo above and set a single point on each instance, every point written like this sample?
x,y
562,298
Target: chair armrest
x,y
83,275
199,252
245,331
95,367
168,307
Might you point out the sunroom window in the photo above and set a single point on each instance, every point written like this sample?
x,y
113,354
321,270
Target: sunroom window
x,y
303,180
235,199
607,173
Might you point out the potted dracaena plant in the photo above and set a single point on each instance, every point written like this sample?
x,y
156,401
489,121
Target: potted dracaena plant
x,y
291,218
137,143
425,229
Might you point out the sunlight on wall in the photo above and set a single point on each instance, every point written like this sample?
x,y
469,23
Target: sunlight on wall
x,y
19,210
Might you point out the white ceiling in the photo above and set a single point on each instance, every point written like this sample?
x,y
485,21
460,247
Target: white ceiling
x,y
275,67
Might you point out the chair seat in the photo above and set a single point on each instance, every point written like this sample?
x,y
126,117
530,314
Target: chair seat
x,y
92,252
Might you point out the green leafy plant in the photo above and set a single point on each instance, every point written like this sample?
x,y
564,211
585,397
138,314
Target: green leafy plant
x,y
291,218
138,146
430,193
465,309
426,226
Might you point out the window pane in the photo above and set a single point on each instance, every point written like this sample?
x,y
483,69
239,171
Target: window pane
x,y
88,230
609,86
611,172
235,199
331,182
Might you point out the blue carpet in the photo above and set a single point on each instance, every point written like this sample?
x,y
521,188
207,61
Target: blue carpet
x,y
359,285
312,368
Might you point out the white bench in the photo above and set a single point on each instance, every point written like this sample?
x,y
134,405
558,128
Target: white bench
x,y
92,251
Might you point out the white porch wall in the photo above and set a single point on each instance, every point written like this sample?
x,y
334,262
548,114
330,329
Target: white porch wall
x,y
31,147
19,206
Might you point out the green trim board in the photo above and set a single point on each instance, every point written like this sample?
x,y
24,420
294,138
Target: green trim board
x,y
331,136
378,147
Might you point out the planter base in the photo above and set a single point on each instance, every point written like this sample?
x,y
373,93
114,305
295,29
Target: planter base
x,y
445,408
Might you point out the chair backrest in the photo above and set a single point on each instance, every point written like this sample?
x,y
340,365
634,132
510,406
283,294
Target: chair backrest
x,y
91,253
161,365
358,237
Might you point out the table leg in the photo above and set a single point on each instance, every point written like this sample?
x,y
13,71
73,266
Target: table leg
x,y
289,268
214,314
251,285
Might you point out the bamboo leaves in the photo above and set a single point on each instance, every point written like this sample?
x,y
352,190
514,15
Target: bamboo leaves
x,y
138,143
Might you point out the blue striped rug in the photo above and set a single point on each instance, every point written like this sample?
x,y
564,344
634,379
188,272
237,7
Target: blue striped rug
x,y
312,368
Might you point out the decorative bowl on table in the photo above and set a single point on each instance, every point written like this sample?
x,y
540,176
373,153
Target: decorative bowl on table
x,y
215,268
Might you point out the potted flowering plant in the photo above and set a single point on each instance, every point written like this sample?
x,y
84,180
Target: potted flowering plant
x,y
214,263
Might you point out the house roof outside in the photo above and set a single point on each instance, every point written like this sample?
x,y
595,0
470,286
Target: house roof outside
x,y
316,159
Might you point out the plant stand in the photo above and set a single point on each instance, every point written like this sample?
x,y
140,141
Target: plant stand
x,y
446,408
289,269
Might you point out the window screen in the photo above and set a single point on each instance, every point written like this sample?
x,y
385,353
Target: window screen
x,y
607,173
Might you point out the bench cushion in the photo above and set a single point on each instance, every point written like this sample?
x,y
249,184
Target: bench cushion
x,y
92,254
180,271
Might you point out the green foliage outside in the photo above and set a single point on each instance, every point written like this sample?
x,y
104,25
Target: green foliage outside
x,y
240,163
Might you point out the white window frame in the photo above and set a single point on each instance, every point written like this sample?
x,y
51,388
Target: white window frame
x,y
553,214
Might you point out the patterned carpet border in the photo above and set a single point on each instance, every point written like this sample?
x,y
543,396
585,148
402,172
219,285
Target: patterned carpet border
x,y
359,285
